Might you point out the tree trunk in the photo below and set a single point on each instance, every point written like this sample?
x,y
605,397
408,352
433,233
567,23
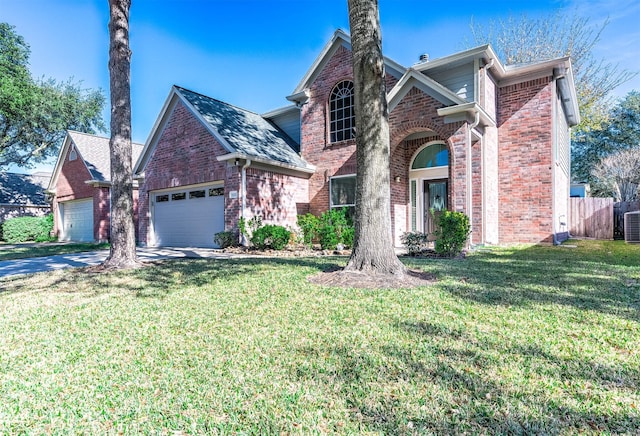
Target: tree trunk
x,y
373,249
123,242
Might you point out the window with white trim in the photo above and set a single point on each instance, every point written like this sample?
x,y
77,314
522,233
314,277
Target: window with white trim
x,y
342,120
342,191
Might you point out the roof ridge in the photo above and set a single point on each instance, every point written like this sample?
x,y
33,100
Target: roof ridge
x,y
100,137
180,88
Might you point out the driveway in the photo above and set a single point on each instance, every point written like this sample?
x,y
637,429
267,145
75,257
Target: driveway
x,y
76,260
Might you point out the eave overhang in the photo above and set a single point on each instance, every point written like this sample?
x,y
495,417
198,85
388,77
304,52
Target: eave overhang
x,y
232,157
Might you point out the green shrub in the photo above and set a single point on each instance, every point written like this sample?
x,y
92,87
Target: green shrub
x,y
28,228
309,225
348,233
226,239
270,236
335,228
452,232
415,242
328,237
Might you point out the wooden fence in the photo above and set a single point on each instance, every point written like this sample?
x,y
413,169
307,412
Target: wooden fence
x,y
619,209
591,217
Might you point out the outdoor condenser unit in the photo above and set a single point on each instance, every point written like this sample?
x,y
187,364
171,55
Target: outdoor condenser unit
x,y
632,226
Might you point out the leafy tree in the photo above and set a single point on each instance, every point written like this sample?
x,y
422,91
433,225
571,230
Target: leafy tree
x,y
373,247
520,40
620,131
123,242
619,174
35,114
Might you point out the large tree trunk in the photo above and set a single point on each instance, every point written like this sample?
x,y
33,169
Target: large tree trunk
x,y
123,242
373,249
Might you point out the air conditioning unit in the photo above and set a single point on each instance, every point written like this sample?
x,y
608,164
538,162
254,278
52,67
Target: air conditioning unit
x,y
632,226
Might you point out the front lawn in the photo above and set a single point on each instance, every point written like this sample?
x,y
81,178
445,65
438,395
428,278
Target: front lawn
x,y
24,251
518,340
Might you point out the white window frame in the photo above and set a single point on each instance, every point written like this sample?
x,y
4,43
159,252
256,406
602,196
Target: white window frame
x,y
346,133
334,206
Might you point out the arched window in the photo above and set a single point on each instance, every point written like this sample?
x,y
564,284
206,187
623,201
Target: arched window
x,y
436,155
342,120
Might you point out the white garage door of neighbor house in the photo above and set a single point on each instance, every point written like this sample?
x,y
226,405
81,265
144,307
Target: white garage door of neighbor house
x,y
189,217
77,220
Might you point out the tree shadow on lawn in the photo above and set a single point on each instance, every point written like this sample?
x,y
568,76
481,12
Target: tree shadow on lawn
x,y
158,279
545,275
427,385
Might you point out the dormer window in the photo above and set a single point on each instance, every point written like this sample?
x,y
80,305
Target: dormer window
x,y
342,119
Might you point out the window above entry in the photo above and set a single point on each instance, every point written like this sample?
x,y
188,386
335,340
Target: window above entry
x,y
435,155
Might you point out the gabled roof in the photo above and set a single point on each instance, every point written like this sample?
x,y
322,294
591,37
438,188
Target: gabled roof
x,y
506,75
94,152
339,39
23,189
413,78
242,133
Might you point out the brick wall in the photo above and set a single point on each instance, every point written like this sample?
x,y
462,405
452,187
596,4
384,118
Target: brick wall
x,y
417,112
331,159
524,161
275,197
71,186
185,154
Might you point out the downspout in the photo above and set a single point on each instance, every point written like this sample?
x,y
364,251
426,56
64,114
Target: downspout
x,y
243,201
483,164
469,171
554,152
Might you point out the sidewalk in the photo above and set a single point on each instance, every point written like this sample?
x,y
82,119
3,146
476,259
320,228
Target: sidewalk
x,y
76,260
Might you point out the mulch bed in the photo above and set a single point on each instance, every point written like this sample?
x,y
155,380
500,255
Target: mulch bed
x,y
365,280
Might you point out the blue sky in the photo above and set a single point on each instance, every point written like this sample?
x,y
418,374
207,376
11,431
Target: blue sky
x,y
252,53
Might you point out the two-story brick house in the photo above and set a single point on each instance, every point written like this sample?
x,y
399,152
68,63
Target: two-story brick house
x,y
466,134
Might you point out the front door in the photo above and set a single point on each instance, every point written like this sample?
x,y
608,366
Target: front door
x,y
434,202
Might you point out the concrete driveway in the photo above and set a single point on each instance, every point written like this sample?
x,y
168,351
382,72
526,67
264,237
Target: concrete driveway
x,y
77,260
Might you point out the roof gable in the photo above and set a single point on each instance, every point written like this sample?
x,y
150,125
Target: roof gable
x,y
95,154
240,132
339,39
427,85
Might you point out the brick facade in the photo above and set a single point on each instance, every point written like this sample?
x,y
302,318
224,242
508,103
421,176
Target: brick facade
x,y
185,154
525,162
499,174
71,185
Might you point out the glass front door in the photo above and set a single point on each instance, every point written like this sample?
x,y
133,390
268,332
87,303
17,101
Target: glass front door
x,y
434,202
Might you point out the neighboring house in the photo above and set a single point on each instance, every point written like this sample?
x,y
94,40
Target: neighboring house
x,y
466,134
580,190
23,195
81,188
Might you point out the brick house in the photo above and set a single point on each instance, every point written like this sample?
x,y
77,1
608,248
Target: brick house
x,y
466,133
23,195
81,188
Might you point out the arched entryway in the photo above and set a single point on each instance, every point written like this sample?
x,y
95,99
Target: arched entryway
x,y
428,185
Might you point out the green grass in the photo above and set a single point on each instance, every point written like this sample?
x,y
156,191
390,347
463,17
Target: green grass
x,y
20,251
518,340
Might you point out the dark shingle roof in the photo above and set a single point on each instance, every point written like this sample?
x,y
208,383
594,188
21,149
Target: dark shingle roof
x,y
95,152
24,189
246,132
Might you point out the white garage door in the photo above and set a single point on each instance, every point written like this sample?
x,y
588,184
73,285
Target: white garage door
x,y
77,220
188,217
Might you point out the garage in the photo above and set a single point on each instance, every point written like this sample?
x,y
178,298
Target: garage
x,y
77,220
188,217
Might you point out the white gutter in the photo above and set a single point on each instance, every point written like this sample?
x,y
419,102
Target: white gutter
x,y
308,170
483,181
470,128
243,172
